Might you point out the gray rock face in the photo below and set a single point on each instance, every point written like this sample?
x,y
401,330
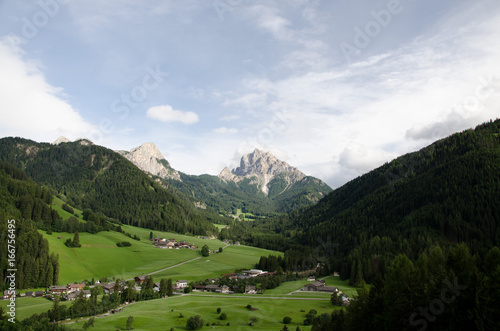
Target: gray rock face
x,y
263,167
61,140
148,158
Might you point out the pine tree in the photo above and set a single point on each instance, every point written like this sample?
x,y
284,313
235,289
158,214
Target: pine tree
x,y
170,289
76,240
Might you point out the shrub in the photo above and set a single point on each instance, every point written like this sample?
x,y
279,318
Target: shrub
x,y
123,244
219,310
249,306
287,320
68,209
194,323
223,316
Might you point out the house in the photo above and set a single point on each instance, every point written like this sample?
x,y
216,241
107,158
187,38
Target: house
x,y
39,294
345,299
7,295
156,287
76,287
199,287
319,286
311,279
253,272
140,279
225,289
230,276
237,243
108,287
213,288
58,289
29,294
86,293
250,289
181,284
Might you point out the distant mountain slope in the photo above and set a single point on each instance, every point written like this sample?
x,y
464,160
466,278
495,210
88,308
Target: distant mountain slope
x,y
262,185
95,177
448,192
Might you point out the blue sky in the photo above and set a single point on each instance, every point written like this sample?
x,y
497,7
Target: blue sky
x,y
335,88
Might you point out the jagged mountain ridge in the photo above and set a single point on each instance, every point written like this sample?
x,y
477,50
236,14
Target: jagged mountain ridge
x,y
148,158
262,185
264,167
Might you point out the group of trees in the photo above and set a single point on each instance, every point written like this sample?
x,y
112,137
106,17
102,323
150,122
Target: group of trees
x,y
36,266
444,289
75,243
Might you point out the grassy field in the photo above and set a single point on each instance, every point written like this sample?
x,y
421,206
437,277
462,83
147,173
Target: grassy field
x,y
343,285
100,257
57,206
25,307
289,287
162,314
232,258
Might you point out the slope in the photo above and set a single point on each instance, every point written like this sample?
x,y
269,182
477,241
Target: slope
x,y
94,177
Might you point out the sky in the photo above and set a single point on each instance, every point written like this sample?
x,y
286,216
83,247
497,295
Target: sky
x,y
335,88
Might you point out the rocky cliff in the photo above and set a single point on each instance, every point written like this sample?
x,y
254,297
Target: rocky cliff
x,y
148,158
262,167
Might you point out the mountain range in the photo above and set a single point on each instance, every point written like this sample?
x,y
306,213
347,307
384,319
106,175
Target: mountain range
x,y
262,186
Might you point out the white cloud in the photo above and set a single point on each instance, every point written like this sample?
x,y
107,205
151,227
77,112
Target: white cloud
x,y
224,130
29,106
167,114
363,159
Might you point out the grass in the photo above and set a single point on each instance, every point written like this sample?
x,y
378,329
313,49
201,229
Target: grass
x,y
57,206
25,307
162,314
220,226
100,257
232,258
289,287
343,285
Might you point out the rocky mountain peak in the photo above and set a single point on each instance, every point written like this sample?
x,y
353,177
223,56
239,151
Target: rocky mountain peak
x,y
264,166
148,158
61,140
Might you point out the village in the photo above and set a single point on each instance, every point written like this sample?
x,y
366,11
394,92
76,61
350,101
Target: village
x,y
171,243
222,285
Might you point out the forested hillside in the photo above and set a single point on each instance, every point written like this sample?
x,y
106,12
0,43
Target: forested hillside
x,y
20,201
228,197
90,176
446,193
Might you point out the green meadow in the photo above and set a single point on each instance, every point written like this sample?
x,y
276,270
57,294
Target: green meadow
x,y
57,206
25,307
100,257
162,314
231,258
